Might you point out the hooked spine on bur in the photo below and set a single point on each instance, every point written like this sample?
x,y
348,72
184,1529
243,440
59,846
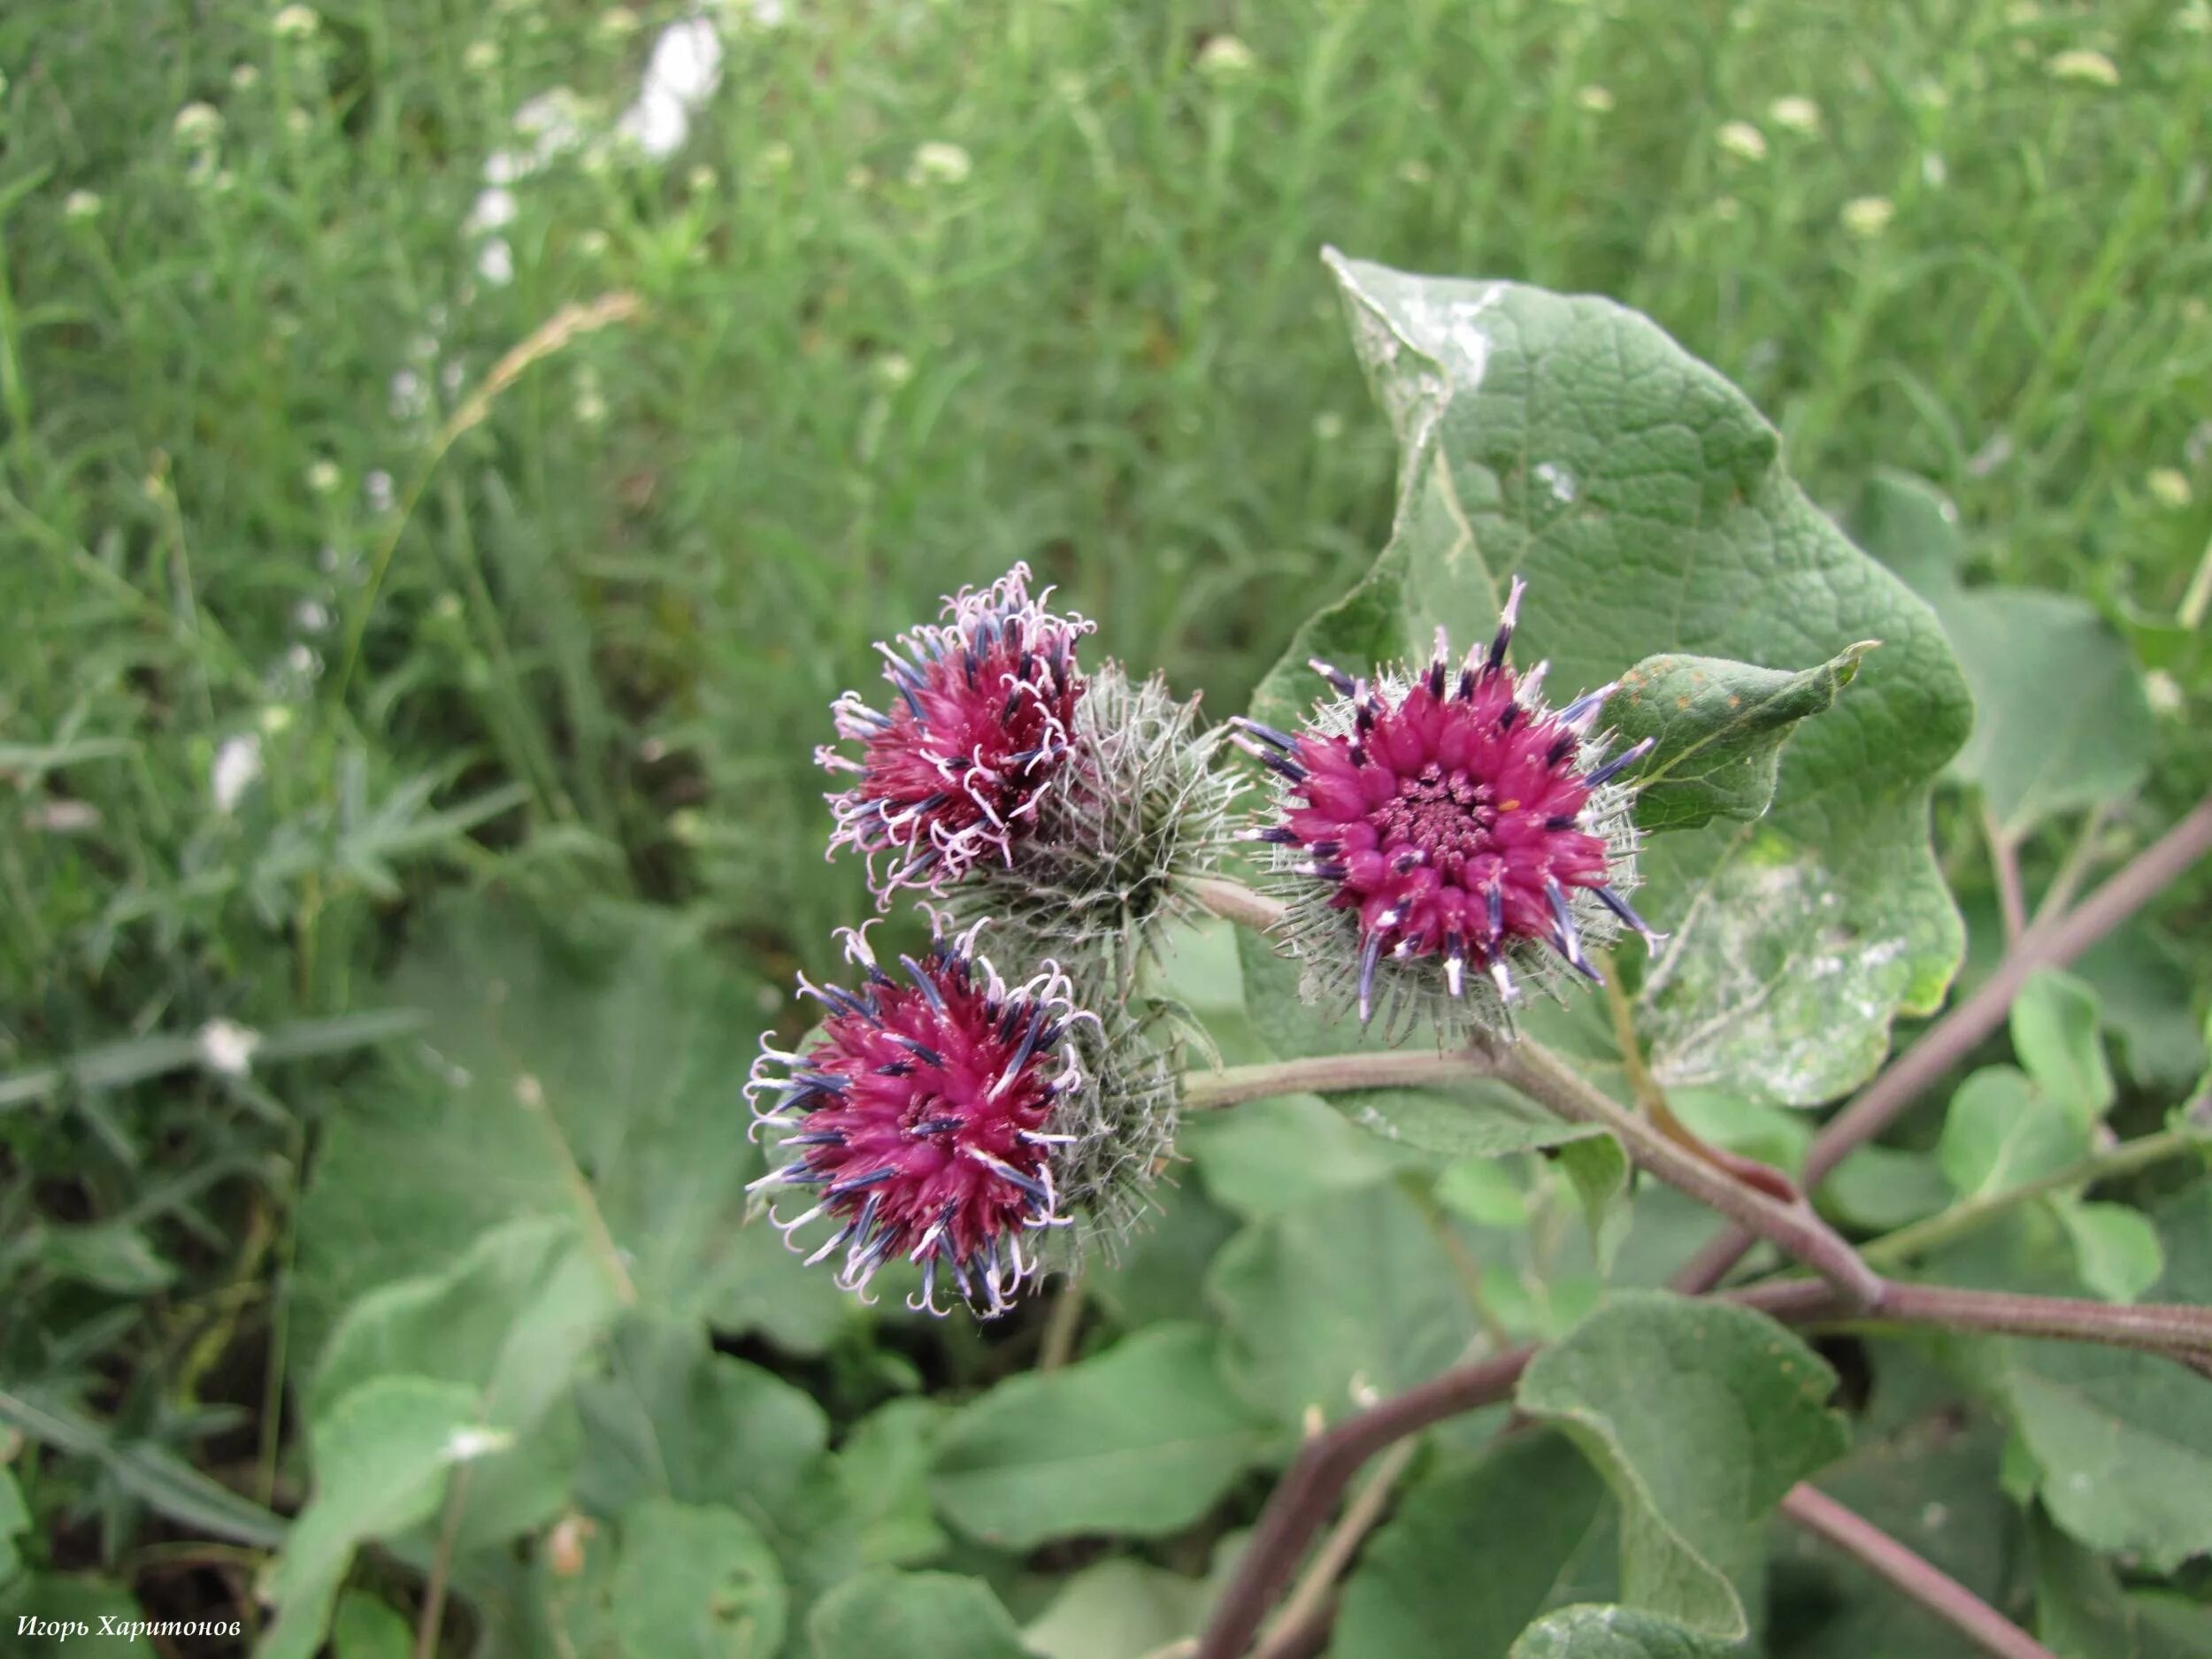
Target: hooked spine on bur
x,y
928,1121
952,773
1446,829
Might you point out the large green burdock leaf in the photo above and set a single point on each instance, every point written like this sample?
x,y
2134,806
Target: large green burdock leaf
x,y
2060,719
2003,1131
1142,1438
1570,442
589,1072
1700,1416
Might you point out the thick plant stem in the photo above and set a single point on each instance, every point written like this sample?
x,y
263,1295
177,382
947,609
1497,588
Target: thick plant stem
x,y
1234,902
2173,1331
1947,1042
1934,1589
1397,1068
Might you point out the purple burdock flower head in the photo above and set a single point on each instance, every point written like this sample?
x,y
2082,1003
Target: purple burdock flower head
x,y
1452,836
927,1121
953,773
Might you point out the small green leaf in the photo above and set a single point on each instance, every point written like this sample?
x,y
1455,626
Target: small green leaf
x,y
1520,1516
884,1615
1118,1609
2001,1130
2059,719
2115,1248
382,1460
1353,1289
1142,1438
1885,1188
694,1583
1700,1416
671,1418
2054,1032
1612,1632
1718,727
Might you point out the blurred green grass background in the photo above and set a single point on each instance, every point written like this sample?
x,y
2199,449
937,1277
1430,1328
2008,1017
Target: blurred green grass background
x,y
924,288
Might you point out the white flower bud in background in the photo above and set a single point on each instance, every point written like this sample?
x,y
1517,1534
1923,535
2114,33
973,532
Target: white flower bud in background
x,y
1795,115
237,767
295,23
226,1046
2169,487
1226,58
197,125
2085,67
1742,141
1867,217
940,163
